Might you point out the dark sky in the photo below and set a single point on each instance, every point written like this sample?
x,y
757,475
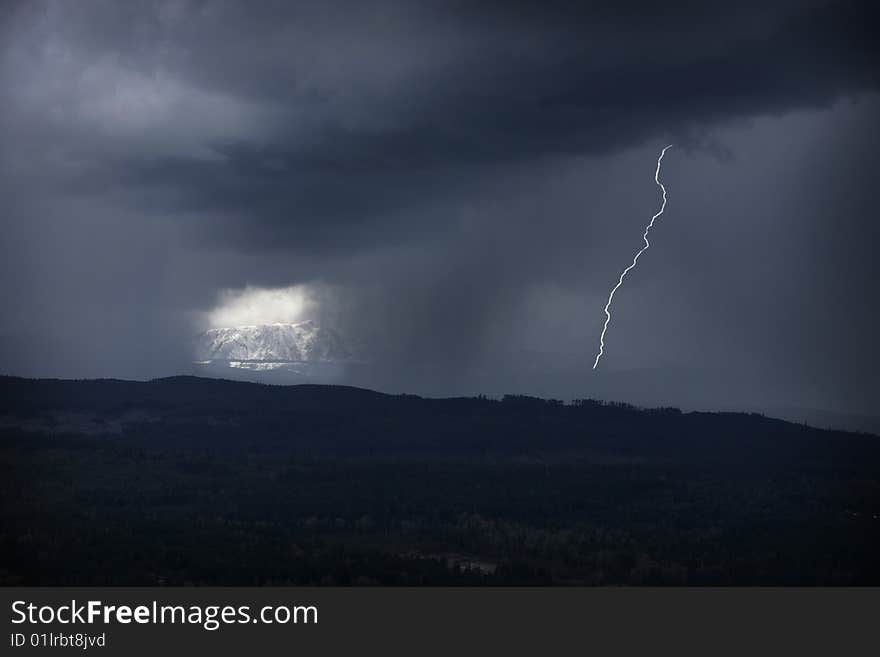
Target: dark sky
x,y
456,185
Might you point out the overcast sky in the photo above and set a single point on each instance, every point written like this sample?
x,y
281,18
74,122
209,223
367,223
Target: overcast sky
x,y
455,186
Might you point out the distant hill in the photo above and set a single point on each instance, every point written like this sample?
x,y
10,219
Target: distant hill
x,y
481,420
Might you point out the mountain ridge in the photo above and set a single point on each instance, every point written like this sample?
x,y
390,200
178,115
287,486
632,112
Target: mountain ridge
x,y
279,342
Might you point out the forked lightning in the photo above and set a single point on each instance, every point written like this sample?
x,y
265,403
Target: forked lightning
x,y
635,259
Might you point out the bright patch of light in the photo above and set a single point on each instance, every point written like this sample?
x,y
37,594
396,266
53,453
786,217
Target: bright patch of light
x,y
255,305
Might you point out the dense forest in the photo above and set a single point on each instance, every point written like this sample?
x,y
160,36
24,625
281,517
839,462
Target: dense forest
x,y
198,481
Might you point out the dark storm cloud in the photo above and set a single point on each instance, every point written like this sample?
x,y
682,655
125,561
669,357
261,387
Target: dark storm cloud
x,y
345,115
455,173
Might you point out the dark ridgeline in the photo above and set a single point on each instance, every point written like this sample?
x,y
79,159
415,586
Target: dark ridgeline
x,y
188,480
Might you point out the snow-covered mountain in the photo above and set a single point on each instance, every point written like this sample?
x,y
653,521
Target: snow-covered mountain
x,y
304,342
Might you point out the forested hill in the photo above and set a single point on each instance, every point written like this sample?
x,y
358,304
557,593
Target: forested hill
x,y
201,481
211,411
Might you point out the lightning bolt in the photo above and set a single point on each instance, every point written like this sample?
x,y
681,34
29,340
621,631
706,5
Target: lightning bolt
x,y
635,259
